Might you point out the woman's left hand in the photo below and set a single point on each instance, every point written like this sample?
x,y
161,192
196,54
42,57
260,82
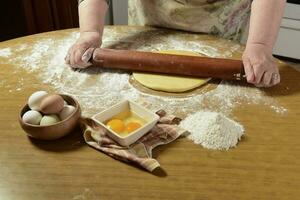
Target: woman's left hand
x,y
260,67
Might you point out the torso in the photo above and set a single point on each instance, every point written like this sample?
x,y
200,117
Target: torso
x,y
225,18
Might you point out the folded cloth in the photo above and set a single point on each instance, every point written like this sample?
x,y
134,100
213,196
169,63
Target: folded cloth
x,y
140,153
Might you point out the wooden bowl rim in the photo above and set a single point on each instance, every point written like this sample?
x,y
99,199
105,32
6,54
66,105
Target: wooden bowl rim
x,y
77,107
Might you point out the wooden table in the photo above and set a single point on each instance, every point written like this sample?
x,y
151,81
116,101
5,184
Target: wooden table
x,y
265,165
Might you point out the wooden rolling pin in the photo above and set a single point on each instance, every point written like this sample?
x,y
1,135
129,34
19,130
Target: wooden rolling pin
x,y
227,69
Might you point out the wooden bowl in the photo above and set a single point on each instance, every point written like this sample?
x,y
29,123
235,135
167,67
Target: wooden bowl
x,y
54,131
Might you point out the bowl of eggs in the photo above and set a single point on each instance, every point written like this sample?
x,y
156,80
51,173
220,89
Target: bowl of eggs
x,y
49,116
126,121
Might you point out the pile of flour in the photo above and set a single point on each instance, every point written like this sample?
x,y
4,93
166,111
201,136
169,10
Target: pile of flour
x,y
213,130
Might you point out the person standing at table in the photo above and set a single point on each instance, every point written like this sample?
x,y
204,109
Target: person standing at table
x,y
223,18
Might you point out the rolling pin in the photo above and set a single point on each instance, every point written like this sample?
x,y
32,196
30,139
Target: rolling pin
x,y
195,66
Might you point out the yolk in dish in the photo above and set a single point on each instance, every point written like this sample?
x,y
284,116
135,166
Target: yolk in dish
x,y
125,123
132,126
116,125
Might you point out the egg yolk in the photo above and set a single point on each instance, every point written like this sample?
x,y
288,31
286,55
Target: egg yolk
x,y
116,125
132,126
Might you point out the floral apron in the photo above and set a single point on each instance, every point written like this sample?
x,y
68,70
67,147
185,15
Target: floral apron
x,y
224,18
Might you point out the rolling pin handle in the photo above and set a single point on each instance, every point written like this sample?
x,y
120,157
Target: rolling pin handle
x,y
237,76
243,74
240,76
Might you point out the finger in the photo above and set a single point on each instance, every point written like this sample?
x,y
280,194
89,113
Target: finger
x,y
78,55
267,79
80,63
260,83
72,61
258,74
275,78
248,71
278,79
87,55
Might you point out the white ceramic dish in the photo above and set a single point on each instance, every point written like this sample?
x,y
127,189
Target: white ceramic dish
x,y
150,117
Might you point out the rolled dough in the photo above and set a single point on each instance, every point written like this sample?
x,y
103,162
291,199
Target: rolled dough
x,y
170,83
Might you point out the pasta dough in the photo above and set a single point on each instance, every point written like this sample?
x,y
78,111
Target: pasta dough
x,y
169,83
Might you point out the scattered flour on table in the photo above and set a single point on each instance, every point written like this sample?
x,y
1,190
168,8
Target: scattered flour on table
x,y
6,52
213,130
97,89
40,49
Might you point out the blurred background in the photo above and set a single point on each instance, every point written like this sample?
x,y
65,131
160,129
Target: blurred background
x,y
24,17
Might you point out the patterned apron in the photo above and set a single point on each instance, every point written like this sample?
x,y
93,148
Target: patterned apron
x,y
224,18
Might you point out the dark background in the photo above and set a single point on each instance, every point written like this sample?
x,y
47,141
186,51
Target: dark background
x,y
294,1
25,17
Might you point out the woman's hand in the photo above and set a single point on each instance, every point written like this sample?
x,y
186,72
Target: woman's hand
x,y
81,52
259,65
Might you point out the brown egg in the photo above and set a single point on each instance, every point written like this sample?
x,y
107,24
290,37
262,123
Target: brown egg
x,y
52,104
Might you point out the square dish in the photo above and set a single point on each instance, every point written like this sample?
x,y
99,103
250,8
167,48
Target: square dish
x,y
149,117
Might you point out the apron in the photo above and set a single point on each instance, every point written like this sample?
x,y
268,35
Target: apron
x,y
224,18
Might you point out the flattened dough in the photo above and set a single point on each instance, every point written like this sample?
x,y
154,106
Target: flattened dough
x,y
170,83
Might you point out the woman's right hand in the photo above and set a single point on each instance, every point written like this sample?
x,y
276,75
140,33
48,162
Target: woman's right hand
x,y
82,51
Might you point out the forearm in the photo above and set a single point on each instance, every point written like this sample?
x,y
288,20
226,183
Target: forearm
x,y
265,21
92,15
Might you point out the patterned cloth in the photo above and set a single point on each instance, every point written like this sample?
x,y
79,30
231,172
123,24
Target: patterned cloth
x,y
139,153
224,18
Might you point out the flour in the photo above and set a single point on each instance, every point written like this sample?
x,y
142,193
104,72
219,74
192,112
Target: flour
x,y
39,51
6,52
213,130
97,89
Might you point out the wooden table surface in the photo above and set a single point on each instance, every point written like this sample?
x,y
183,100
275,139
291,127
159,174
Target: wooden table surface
x,y
265,165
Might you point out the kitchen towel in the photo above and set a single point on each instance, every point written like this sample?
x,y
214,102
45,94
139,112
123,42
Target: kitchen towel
x,y
140,152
